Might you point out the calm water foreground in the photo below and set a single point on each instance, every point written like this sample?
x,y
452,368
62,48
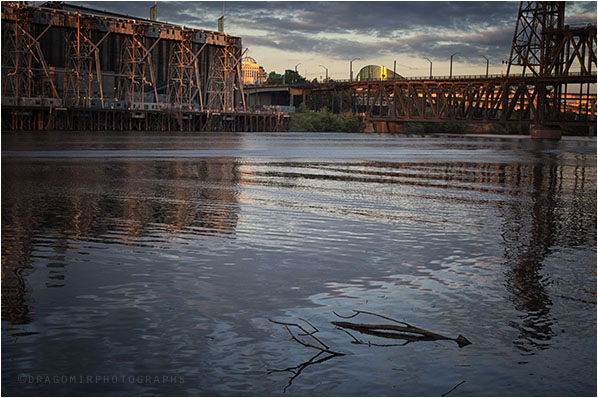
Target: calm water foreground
x,y
150,263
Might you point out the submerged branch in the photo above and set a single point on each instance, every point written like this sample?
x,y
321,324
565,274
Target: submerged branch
x,y
407,332
321,345
318,345
369,343
296,370
357,312
306,333
452,389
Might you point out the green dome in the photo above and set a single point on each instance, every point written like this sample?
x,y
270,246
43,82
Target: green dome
x,y
377,72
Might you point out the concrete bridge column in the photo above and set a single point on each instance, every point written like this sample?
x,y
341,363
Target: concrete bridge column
x,y
539,131
382,127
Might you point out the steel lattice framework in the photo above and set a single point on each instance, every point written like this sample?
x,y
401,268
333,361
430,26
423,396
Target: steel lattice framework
x,y
114,62
558,68
137,71
184,89
25,73
224,78
81,61
531,48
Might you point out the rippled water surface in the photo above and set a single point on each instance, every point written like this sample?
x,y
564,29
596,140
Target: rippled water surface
x,y
150,263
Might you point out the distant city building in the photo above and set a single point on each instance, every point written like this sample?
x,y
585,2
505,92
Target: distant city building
x,y
263,75
252,72
377,72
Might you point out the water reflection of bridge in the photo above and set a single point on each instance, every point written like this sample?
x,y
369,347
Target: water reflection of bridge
x,y
128,203
532,232
139,203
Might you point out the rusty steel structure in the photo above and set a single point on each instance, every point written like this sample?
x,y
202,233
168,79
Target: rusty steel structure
x,y
70,67
554,85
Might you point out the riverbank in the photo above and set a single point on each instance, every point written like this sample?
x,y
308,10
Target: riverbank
x,y
324,121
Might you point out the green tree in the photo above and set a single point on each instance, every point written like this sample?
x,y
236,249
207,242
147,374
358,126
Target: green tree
x,y
302,108
292,77
274,79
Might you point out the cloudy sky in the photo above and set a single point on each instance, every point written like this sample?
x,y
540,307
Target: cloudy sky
x,y
280,35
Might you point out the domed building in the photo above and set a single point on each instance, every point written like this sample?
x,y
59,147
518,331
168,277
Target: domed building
x,y
252,72
377,72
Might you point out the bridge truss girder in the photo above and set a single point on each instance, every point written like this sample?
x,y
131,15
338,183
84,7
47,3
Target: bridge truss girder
x,y
512,100
574,51
500,101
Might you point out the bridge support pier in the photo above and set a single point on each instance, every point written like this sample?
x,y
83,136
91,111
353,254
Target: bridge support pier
x,y
395,128
383,127
541,132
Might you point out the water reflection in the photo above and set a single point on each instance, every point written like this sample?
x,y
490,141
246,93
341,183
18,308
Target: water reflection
x,y
558,213
545,205
50,209
175,259
319,358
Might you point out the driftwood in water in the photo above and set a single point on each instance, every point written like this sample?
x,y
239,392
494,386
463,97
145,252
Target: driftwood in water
x,y
452,389
403,331
319,344
316,343
296,370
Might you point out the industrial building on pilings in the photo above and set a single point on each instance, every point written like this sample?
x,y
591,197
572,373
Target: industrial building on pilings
x,y
66,67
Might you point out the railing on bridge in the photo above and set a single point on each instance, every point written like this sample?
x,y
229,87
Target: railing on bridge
x,y
418,79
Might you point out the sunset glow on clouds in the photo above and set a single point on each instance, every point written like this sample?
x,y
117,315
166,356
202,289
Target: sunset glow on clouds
x,y
280,35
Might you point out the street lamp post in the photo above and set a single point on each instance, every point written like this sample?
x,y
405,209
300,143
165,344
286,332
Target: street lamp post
x,y
295,80
430,66
351,68
487,63
451,69
326,72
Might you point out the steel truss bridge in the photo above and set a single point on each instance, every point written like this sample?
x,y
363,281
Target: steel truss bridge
x,y
70,67
515,99
556,84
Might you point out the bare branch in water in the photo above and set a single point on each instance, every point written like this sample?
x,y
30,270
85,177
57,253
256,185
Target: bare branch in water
x,y
296,370
452,389
320,346
313,327
369,343
357,312
407,332
310,334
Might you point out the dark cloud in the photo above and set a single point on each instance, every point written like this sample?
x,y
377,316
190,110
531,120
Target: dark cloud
x,y
366,29
331,17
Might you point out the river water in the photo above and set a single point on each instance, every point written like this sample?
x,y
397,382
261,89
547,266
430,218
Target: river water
x,y
150,264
